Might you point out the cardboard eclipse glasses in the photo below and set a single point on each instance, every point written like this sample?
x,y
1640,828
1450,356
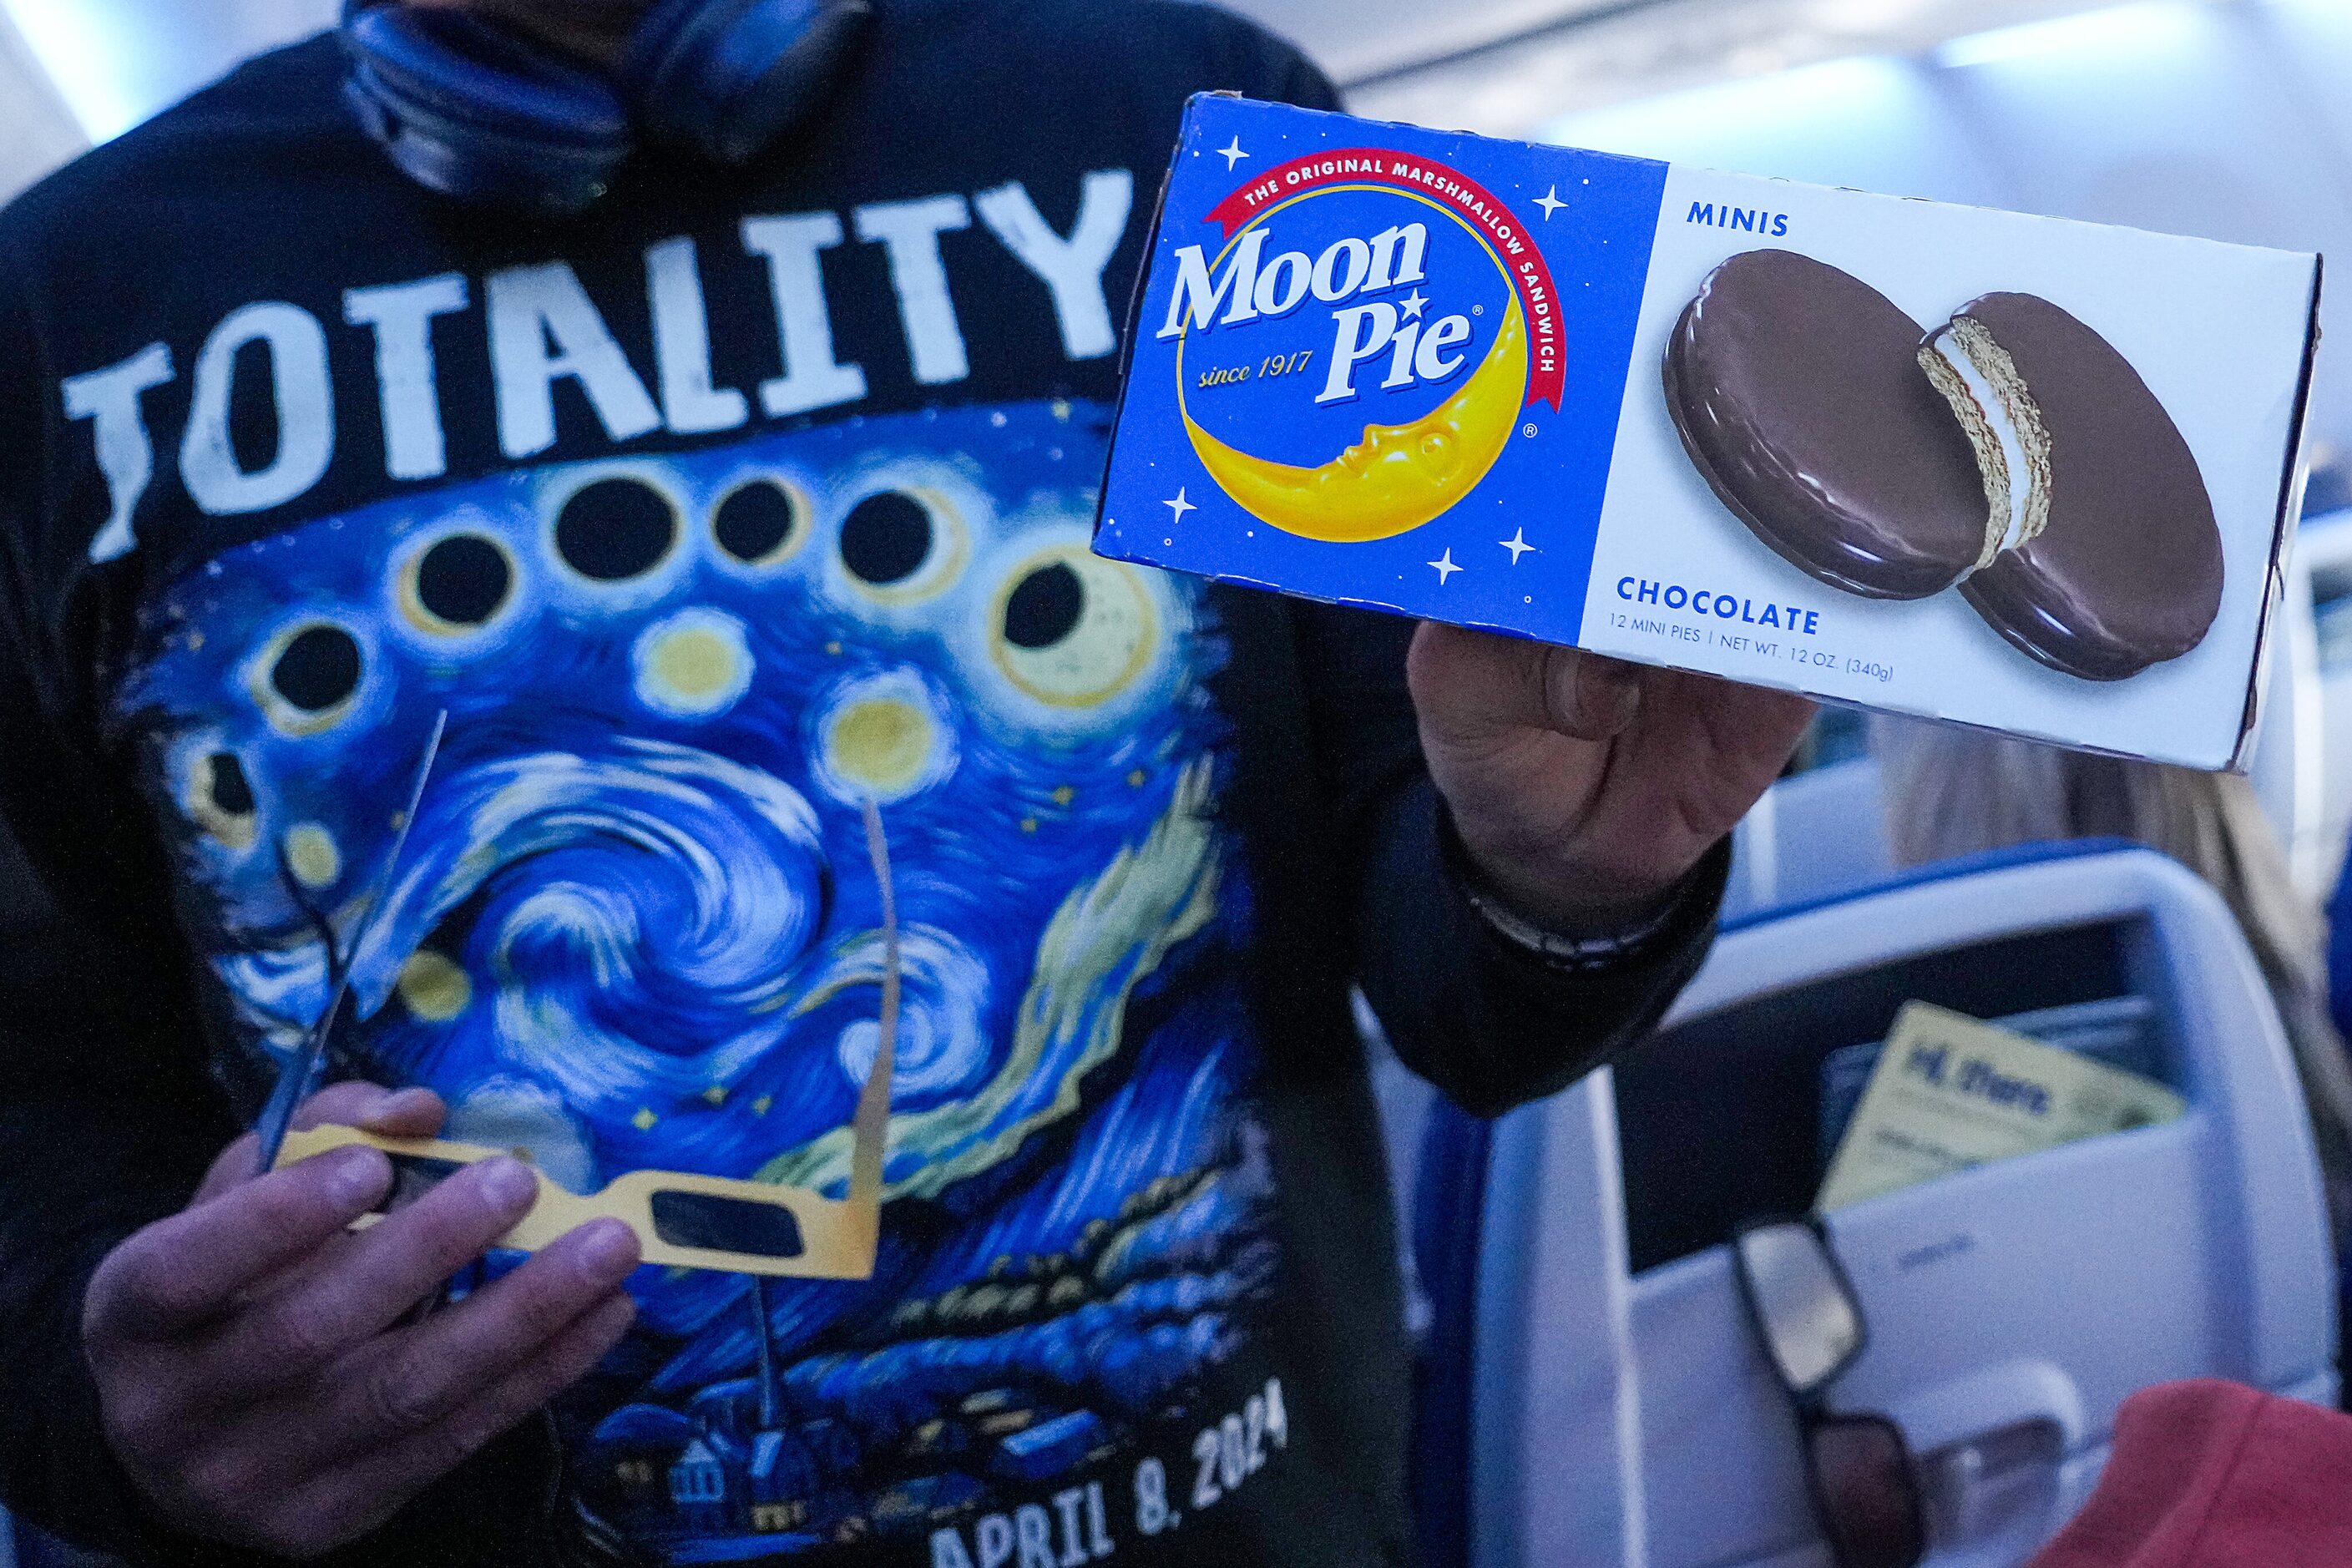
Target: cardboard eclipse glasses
x,y
681,1221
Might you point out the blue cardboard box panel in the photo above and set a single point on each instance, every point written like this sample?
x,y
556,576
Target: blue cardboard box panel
x,y
2015,472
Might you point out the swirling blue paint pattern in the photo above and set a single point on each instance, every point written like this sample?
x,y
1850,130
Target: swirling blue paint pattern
x,y
635,927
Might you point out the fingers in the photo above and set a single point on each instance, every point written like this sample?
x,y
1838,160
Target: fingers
x,y
231,1167
250,1372
430,1373
407,1113
1758,723
1475,686
182,1272
384,1274
388,1113
1588,696
347,1503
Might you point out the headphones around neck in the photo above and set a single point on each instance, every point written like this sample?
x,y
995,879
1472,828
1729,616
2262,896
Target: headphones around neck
x,y
472,110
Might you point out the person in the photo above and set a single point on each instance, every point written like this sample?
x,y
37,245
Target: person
x,y
1952,792
723,508
2208,1474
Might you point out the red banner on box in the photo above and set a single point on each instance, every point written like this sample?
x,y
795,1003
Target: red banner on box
x,y
1488,216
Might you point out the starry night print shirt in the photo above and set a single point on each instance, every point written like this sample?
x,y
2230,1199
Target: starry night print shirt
x,y
746,502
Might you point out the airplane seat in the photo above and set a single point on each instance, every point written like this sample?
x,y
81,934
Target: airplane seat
x,y
1591,1392
2339,956
1813,833
2289,764
2323,571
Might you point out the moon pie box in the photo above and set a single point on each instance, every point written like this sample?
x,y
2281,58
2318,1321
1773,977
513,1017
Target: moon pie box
x,y
2025,474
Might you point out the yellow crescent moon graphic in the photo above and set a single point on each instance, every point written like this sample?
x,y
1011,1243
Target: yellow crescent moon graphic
x,y
1398,476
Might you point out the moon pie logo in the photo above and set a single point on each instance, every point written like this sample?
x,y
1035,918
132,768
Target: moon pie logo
x,y
1356,352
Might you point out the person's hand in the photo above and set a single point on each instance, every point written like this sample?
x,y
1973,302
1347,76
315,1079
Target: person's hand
x,y
1585,787
258,1374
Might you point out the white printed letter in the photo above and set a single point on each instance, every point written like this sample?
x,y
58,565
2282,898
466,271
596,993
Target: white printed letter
x,y
812,378
1330,285
544,327
415,446
306,412
911,230
994,1535
1431,362
682,344
1397,256
1364,330
1074,1545
1073,268
126,452
1197,297
1035,1533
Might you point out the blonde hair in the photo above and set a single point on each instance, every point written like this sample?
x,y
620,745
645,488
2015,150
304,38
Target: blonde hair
x,y
1954,791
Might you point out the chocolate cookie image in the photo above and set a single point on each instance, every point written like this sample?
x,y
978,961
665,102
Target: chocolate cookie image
x,y
2101,553
1799,394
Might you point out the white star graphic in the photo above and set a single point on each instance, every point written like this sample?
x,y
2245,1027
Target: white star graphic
x,y
1232,155
1414,304
1180,506
1550,202
1517,545
1445,566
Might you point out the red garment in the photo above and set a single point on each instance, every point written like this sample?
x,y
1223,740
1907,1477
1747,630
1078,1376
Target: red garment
x,y
2216,1474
